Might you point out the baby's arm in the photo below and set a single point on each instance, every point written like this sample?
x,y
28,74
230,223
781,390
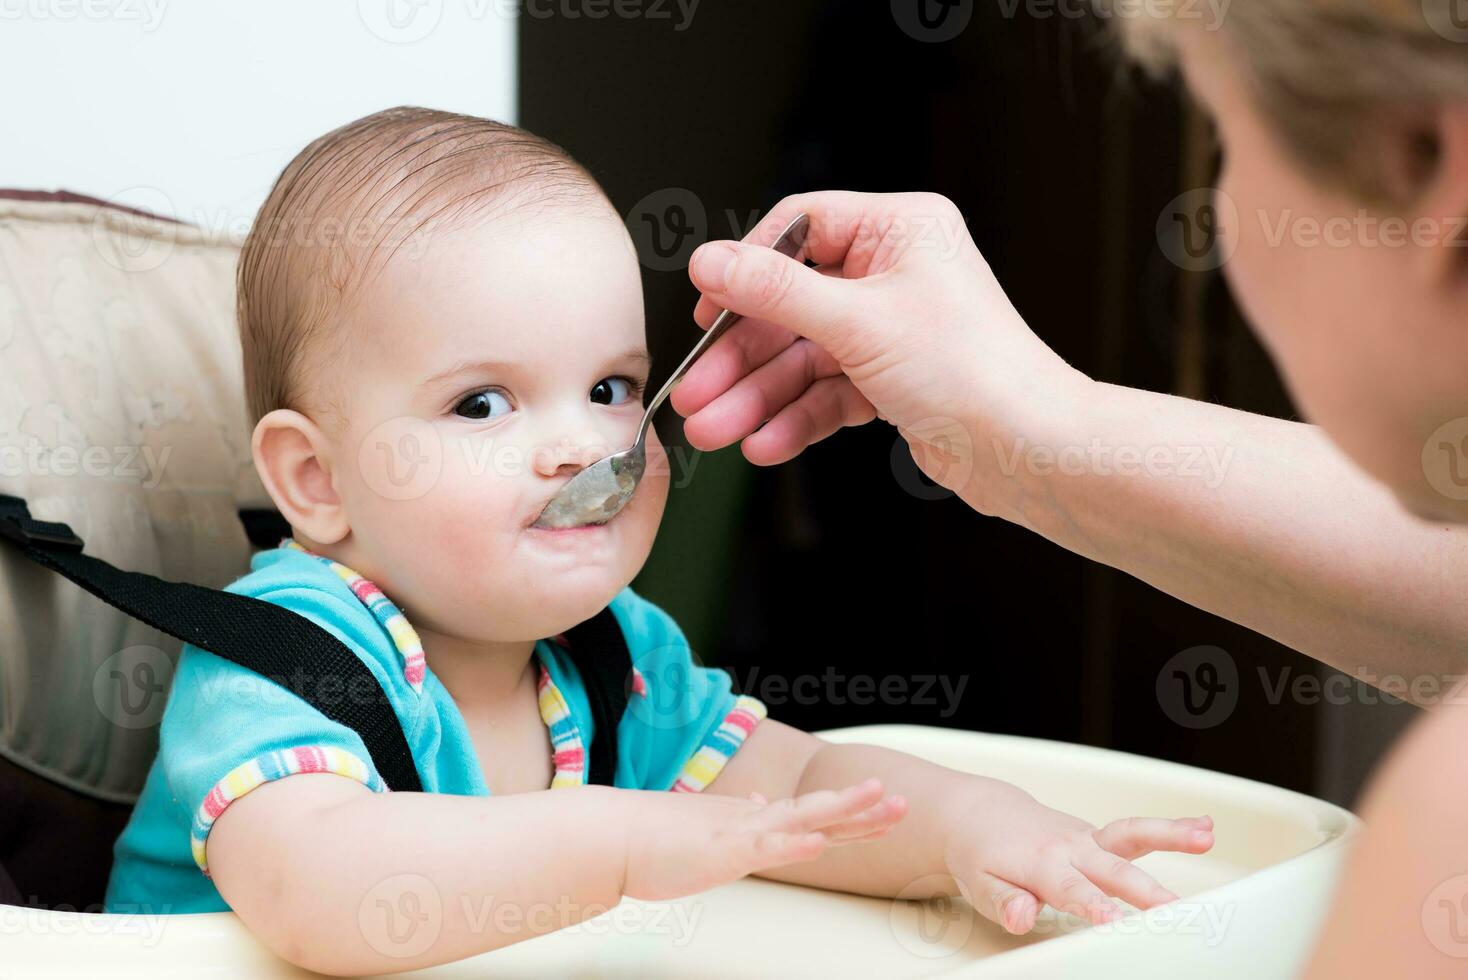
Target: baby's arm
x,y
968,834
338,879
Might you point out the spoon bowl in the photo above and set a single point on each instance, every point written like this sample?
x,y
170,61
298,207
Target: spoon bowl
x,y
600,491
597,493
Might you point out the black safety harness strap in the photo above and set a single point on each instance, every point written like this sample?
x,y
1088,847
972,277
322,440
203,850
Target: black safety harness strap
x,y
296,653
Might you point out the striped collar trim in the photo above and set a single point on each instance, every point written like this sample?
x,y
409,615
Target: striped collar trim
x,y
566,744
390,617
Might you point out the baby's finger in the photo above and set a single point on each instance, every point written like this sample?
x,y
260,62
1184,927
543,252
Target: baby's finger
x,y
818,810
772,848
871,823
1013,908
1067,889
863,839
1133,837
1119,877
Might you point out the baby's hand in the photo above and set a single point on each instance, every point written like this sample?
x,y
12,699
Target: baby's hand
x,y
1011,854
682,843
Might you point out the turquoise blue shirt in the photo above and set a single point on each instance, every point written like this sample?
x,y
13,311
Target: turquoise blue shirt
x,y
226,729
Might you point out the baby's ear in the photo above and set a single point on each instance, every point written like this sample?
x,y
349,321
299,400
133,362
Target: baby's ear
x,y
293,459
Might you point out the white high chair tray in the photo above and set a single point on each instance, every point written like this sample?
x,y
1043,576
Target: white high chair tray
x,y
1251,908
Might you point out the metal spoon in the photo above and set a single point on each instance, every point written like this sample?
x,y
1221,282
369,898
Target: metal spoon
x,y
597,493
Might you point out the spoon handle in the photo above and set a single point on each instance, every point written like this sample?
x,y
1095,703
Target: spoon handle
x,y
788,244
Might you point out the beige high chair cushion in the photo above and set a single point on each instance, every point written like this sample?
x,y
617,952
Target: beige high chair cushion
x,y
122,414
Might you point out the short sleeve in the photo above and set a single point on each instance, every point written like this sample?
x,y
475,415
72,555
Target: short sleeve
x,y
683,721
227,730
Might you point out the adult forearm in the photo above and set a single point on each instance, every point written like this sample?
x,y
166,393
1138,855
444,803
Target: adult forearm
x,y
1256,519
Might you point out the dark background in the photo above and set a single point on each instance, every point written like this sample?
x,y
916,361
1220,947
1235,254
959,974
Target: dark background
x,y
1062,162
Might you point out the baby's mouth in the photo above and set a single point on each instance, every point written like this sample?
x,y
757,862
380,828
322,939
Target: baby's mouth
x,y
571,529
531,523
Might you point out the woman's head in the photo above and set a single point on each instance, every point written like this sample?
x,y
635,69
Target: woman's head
x,y
1344,131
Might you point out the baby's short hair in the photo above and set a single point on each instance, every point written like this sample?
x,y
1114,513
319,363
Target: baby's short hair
x,y
351,199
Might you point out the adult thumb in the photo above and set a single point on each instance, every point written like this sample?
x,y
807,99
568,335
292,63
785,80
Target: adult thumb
x,y
756,281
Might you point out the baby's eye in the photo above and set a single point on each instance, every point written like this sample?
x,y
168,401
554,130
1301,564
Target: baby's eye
x,y
614,391
484,405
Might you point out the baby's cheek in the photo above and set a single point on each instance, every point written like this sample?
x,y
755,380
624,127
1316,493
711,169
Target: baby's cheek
x,y
461,543
470,519
644,512
658,475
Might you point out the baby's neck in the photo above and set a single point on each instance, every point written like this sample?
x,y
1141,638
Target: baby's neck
x,y
476,673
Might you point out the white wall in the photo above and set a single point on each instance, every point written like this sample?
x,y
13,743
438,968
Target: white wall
x,y
190,108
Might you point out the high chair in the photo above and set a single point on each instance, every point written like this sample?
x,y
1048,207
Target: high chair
x,y
124,449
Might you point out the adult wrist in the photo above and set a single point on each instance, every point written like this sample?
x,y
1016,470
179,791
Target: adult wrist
x,y
1015,447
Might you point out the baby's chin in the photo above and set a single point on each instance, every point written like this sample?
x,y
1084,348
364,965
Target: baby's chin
x,y
1433,509
563,583
551,607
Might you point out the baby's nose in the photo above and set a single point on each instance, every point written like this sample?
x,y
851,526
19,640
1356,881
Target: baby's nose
x,y
571,455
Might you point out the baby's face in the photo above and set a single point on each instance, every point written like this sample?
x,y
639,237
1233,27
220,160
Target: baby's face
x,y
482,373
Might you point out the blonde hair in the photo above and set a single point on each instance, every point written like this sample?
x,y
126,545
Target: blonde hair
x,y
1326,73
352,199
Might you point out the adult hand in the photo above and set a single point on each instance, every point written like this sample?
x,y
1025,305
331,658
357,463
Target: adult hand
x,y
900,319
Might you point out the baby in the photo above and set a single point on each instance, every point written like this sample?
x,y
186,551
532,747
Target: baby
x,y
442,323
